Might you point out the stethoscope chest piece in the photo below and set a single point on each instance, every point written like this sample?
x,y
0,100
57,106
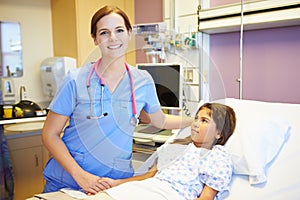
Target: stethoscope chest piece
x,y
134,121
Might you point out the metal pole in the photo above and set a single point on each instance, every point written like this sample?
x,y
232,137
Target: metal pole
x,y
240,79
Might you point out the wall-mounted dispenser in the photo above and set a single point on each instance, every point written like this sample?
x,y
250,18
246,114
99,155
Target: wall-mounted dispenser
x,y
53,71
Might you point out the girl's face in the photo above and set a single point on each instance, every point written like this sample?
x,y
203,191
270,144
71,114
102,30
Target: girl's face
x,y
203,130
112,37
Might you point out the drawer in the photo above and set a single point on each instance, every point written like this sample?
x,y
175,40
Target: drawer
x,y
24,142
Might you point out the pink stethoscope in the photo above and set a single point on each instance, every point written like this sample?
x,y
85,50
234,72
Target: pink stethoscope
x,y
134,119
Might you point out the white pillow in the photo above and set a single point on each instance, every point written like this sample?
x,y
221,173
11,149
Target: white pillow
x,y
257,139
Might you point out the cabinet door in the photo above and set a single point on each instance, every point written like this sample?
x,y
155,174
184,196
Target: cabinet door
x,y
28,171
46,156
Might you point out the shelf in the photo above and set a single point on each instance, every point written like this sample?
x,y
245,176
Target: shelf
x,y
257,15
22,120
140,148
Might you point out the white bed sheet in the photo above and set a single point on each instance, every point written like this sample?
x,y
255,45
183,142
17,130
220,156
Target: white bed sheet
x,y
282,172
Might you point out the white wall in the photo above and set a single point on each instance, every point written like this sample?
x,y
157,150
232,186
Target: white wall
x,y
36,30
185,13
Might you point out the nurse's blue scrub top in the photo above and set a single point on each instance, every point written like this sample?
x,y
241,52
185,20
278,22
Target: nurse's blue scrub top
x,y
100,146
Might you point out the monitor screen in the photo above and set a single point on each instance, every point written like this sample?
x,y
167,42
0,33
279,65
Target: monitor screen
x,y
168,82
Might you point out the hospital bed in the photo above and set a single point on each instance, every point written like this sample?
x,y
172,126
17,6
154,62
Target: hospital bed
x,y
265,149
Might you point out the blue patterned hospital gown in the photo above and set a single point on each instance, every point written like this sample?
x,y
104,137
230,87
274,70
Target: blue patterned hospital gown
x,y
197,167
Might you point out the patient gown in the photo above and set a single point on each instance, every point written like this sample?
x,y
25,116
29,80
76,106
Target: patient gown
x,y
183,178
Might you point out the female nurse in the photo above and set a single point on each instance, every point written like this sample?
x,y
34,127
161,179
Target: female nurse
x,y
89,128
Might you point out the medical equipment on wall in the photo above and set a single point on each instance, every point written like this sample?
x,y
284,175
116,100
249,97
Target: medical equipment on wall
x,y
153,34
159,41
53,71
134,120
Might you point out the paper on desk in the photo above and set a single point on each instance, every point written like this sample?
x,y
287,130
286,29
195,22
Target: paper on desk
x,y
63,194
74,193
52,196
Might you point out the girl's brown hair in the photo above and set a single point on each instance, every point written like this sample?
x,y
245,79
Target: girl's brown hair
x,y
223,116
106,10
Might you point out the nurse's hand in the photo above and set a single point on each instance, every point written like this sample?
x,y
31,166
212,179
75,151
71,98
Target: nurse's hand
x,y
89,182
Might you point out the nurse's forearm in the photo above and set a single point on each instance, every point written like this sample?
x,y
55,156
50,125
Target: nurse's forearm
x,y
177,122
59,151
52,129
166,121
86,180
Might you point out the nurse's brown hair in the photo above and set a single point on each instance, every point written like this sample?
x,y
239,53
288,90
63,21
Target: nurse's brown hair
x,y
106,10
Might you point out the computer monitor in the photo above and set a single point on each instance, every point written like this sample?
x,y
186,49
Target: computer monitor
x,y
168,78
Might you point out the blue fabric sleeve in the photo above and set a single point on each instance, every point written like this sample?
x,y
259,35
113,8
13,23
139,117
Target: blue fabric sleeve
x,y
152,102
64,100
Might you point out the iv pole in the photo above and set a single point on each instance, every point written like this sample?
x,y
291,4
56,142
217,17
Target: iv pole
x,y
240,79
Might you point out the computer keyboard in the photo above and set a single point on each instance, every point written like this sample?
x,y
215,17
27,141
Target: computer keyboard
x,y
151,134
147,129
160,138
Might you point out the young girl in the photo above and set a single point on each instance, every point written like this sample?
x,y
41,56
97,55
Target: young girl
x,y
202,172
